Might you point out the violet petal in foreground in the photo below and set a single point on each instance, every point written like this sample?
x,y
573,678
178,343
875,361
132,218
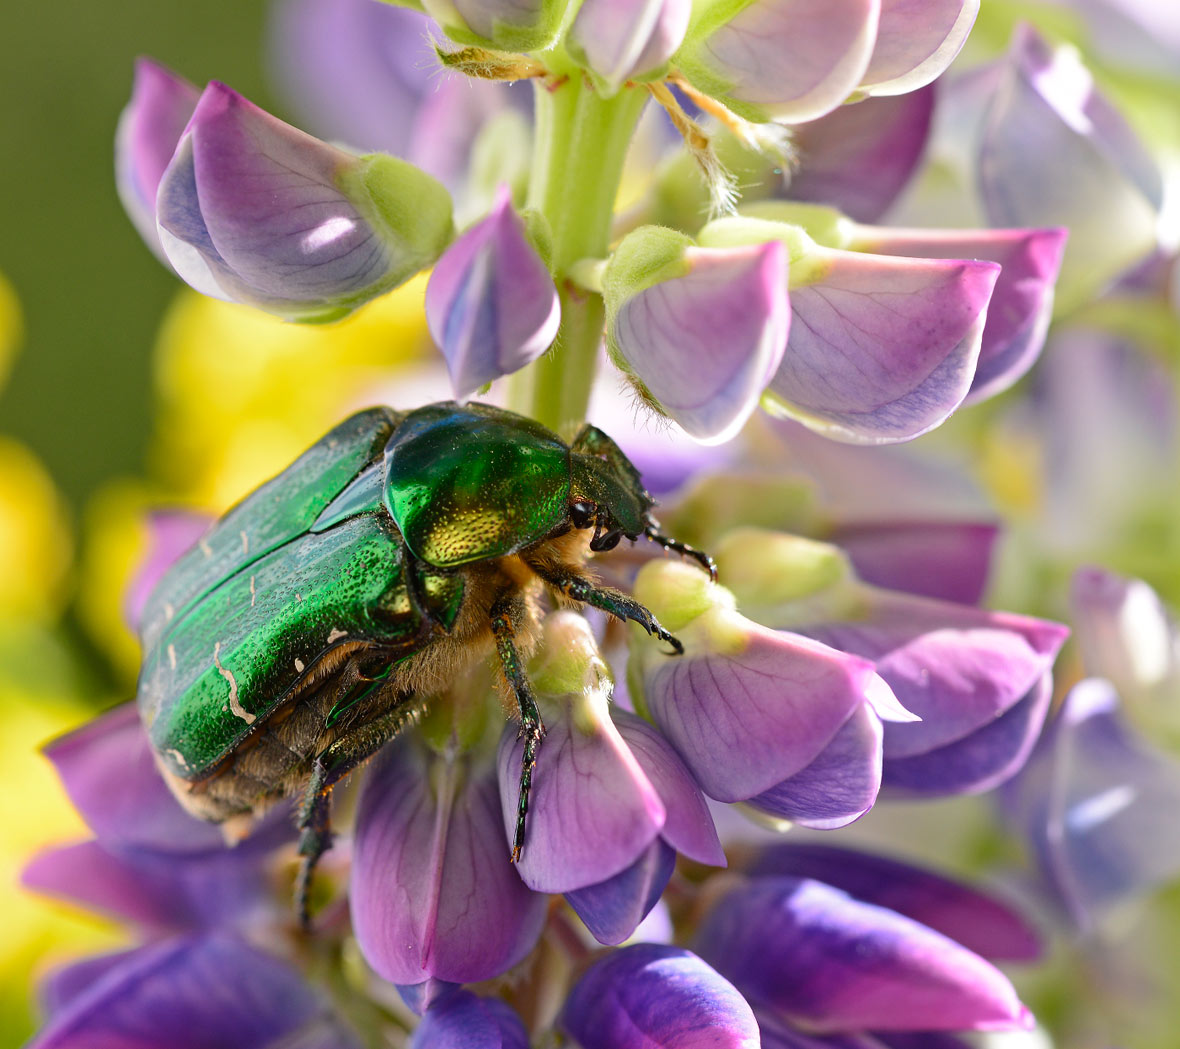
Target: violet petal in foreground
x,y
650,996
191,993
149,129
882,349
613,909
1021,304
978,921
837,964
253,210
491,304
915,43
704,345
461,1020
623,40
432,891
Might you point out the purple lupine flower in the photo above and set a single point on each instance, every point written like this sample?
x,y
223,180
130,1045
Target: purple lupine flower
x,y
149,128
1091,802
915,43
460,1019
506,25
252,210
648,996
620,40
821,959
724,310
433,896
491,304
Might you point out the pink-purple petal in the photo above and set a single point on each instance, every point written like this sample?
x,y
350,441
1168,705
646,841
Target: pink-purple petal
x,y
1021,304
839,786
916,41
980,922
837,964
650,996
463,1021
433,894
746,721
491,304
613,909
59,988
859,158
623,39
592,809
883,349
111,777
149,129
705,345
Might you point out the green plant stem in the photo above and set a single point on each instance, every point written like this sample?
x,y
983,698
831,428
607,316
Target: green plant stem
x,y
579,146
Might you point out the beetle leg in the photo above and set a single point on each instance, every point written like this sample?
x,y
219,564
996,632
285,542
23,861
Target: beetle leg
x,y
618,604
531,726
652,531
336,762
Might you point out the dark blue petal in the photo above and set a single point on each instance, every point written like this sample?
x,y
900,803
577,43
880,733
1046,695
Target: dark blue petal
x,y
463,1021
613,909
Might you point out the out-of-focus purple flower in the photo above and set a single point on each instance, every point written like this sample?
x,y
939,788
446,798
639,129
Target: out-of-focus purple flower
x,y
1055,152
622,40
193,992
834,964
491,304
506,25
916,42
460,1020
701,330
649,996
611,802
149,128
253,210
979,922
170,534
1094,803
433,894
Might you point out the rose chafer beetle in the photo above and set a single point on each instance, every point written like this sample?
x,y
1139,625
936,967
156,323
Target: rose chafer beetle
x,y
303,631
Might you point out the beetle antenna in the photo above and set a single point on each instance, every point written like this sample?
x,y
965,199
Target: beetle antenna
x,y
652,531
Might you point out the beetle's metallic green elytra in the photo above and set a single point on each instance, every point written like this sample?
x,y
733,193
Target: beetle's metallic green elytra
x,y
293,640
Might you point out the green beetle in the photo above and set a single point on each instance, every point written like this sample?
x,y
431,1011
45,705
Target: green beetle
x,y
295,639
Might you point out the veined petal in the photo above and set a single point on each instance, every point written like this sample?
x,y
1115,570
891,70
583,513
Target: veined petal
x,y
882,349
592,809
59,987
613,909
786,60
1021,304
839,786
838,964
149,129
980,922
704,345
462,1021
491,304
650,996
623,40
916,41
433,894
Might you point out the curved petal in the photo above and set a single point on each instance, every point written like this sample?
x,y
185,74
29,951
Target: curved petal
x,y
621,40
979,761
1021,304
916,41
981,923
592,809
704,345
839,786
433,893
463,1020
882,349
837,964
746,720
59,988
649,996
613,909
111,777
491,304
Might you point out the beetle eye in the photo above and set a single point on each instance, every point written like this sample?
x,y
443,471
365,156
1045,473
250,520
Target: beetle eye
x,y
583,514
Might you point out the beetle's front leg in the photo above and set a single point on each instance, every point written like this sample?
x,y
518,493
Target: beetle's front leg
x,y
531,726
576,586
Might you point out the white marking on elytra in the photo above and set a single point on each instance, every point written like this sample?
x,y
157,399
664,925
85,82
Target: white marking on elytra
x,y
253,595
206,549
298,596
172,656
245,542
169,611
336,634
299,666
234,703
177,757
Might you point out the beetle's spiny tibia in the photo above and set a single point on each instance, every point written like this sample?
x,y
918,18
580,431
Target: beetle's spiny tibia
x,y
652,531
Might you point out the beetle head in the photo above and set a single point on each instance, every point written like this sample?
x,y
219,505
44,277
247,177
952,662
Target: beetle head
x,y
608,495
